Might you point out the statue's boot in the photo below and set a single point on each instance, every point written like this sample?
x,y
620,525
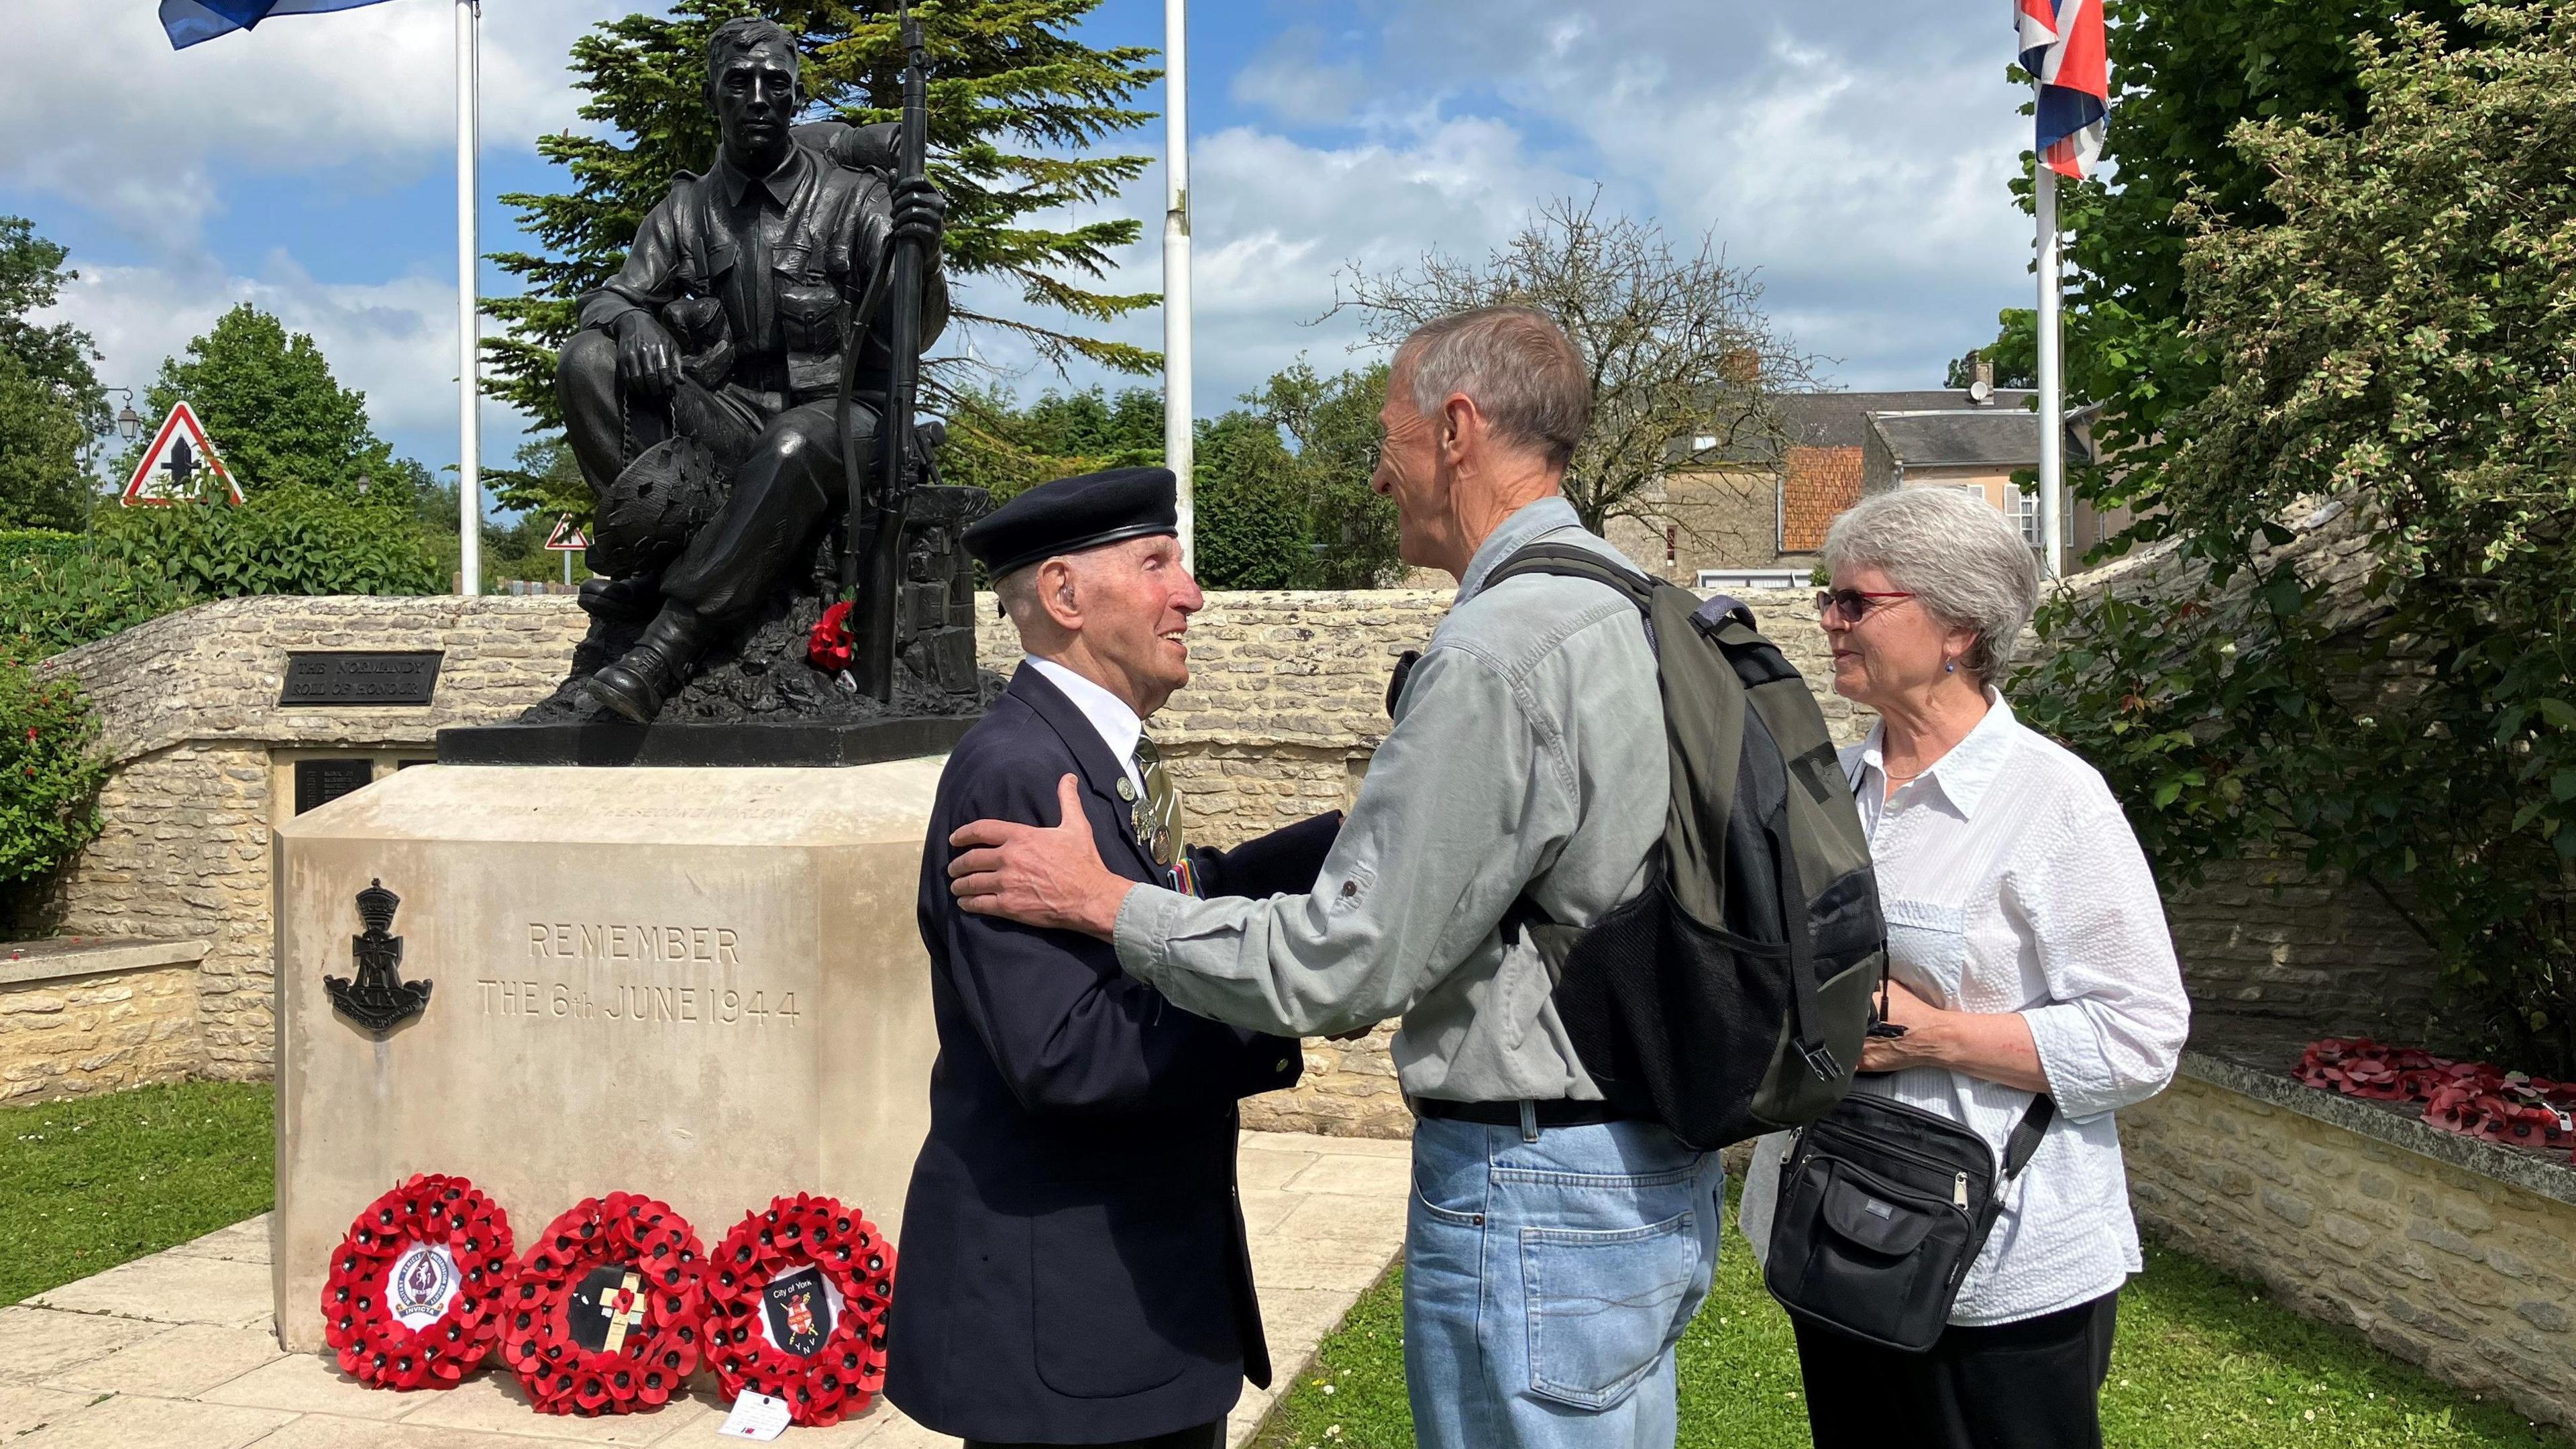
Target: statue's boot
x,y
650,673
622,600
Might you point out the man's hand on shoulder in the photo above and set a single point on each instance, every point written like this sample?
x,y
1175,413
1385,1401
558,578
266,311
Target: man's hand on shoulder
x,y
1038,875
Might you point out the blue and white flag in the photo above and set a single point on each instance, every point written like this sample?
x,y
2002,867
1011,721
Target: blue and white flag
x,y
190,21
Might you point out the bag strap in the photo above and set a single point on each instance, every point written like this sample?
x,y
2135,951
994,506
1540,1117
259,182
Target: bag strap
x,y
1567,561
1804,1007
2027,1133
1564,561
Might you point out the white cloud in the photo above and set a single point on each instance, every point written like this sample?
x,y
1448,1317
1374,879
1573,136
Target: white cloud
x,y
1293,81
1856,156
394,340
100,109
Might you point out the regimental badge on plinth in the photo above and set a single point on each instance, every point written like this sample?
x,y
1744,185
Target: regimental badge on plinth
x,y
379,999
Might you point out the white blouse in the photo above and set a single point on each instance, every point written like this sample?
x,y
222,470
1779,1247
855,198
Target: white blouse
x,y
2012,882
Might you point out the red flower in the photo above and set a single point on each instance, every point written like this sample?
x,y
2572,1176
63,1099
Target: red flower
x,y
845,1372
656,1358
359,1319
829,647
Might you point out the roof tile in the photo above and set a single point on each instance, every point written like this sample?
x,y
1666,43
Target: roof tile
x,y
1815,487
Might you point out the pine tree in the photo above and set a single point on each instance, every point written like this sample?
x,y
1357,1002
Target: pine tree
x,y
1013,98
276,415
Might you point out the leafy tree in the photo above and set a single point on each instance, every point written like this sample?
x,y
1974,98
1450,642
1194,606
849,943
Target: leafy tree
x,y
997,445
2384,689
1677,342
50,402
1016,106
547,480
1250,530
1332,422
2014,352
2185,73
275,413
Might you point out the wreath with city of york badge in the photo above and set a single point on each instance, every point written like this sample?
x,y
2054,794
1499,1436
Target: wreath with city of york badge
x,y
413,1299
608,1309
796,1308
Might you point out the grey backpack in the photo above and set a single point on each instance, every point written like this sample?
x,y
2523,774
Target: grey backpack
x,y
1729,999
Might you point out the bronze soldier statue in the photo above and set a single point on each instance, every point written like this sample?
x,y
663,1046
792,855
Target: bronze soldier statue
x,y
717,352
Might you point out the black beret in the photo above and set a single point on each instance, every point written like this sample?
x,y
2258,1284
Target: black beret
x,y
1073,514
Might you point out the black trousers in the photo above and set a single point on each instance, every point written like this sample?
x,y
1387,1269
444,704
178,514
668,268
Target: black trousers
x,y
1205,1436
787,472
2036,1384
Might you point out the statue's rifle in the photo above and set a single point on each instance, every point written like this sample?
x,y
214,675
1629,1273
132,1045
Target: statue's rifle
x,y
873,538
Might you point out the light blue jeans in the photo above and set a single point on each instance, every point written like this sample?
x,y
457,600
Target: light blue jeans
x,y
1546,1282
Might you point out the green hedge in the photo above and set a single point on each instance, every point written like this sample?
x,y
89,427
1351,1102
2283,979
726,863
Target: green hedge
x,y
58,590
50,770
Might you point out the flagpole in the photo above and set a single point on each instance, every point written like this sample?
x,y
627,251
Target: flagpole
x,y
2052,381
469,328
1177,441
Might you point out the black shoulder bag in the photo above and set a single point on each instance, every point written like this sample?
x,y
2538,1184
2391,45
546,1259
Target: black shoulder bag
x,y
1884,1207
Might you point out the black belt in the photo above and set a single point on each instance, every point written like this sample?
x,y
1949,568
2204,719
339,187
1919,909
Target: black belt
x,y
1562,1112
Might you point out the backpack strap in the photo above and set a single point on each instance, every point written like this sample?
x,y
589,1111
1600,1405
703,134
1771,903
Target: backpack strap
x,y
2027,1133
1567,561
1756,660
1805,1010
1563,560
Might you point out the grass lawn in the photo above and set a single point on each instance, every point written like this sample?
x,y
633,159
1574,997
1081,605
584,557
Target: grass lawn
x,y
89,1184
2203,1361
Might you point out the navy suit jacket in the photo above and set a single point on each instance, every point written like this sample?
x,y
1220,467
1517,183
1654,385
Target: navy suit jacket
x,y
1073,1267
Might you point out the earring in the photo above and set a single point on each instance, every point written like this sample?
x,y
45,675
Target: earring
x,y
1950,666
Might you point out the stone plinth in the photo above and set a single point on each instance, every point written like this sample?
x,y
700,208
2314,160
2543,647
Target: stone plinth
x,y
706,985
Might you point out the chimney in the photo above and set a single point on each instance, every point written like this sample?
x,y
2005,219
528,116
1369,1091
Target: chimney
x,y
1981,392
1741,366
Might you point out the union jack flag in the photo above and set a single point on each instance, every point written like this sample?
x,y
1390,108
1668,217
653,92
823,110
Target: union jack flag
x,y
2061,44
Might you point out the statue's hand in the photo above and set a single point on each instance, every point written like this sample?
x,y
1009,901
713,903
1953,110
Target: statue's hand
x,y
920,215
648,358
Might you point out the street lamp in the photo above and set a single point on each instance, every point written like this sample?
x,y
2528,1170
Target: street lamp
x,y
129,423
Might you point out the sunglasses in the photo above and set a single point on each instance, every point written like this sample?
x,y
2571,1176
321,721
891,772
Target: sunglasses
x,y
1852,605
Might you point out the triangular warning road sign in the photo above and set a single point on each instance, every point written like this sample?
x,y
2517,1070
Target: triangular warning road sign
x,y
567,537
175,468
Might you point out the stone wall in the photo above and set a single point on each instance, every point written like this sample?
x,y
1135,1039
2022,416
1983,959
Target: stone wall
x,y
2275,959
79,1018
188,711
2450,1253
1285,708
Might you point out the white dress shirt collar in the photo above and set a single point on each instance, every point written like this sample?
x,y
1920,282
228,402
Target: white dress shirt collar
x,y
1118,725
1965,773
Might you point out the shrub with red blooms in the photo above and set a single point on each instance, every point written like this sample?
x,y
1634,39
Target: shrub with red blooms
x,y
651,1312
2473,1098
436,1252
846,1368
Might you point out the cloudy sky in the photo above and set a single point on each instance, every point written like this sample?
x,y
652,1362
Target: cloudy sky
x,y
1857,155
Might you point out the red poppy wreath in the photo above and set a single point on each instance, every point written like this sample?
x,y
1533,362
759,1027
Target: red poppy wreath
x,y
414,1296
796,1308
607,1310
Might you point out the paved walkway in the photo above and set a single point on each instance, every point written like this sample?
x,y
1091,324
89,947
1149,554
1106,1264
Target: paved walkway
x,y
175,1351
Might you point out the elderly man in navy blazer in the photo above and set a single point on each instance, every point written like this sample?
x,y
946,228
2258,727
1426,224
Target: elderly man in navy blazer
x,y
1073,1261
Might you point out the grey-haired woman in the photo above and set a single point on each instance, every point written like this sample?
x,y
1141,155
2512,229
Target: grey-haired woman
x,y
2029,954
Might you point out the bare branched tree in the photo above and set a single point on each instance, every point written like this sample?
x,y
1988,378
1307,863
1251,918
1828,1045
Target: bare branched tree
x,y
1684,363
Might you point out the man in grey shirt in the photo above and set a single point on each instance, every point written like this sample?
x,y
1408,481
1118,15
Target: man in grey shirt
x,y
1554,1252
